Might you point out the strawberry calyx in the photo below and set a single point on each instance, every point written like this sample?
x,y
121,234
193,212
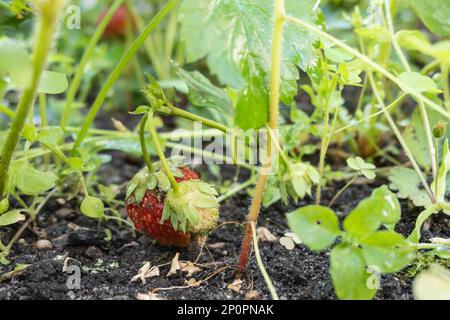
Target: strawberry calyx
x,y
145,181
193,208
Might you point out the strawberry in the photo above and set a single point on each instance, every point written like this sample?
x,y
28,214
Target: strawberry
x,y
172,218
117,27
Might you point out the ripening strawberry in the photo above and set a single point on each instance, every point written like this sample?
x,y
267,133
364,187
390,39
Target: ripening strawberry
x,y
117,27
172,218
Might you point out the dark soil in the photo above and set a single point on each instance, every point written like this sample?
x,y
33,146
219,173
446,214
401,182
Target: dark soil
x,y
108,266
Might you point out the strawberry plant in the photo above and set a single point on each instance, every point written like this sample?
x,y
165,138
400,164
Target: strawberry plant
x,y
118,116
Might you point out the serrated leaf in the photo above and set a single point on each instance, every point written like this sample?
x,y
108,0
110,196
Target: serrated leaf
x,y
235,38
92,207
33,182
349,275
50,136
434,14
406,182
11,217
388,251
317,226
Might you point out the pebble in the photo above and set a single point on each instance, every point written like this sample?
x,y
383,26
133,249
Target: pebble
x,y
93,252
43,244
64,213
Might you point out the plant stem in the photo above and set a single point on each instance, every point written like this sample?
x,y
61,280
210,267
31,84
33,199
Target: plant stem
x,y
75,84
7,111
231,192
325,139
398,50
393,104
43,109
445,83
348,184
423,112
401,140
429,135
369,62
145,154
162,157
274,100
260,263
45,31
191,116
115,74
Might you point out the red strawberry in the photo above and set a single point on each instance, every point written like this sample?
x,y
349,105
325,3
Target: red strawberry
x,y
117,27
190,213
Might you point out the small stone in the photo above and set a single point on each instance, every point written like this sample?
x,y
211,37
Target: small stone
x,y
252,295
43,244
64,213
93,252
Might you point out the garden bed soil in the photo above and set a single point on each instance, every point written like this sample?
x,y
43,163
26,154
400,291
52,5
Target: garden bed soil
x,y
108,266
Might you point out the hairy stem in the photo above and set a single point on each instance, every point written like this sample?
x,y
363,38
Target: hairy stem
x,y
115,74
191,116
45,31
75,84
145,154
274,97
162,157
400,139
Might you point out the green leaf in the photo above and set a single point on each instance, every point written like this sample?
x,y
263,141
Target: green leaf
x,y
416,83
141,110
388,251
349,275
406,182
365,219
390,206
434,14
32,182
16,62
337,55
235,38
414,40
202,93
423,216
92,207
4,205
50,136
11,217
53,82
315,225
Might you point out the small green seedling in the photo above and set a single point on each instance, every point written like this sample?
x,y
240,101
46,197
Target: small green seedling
x,y
367,245
361,168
